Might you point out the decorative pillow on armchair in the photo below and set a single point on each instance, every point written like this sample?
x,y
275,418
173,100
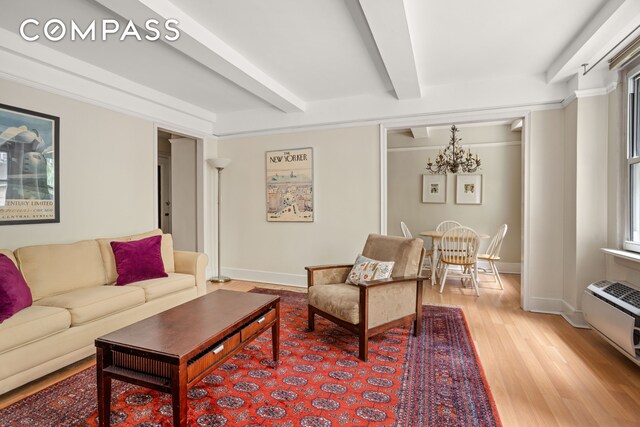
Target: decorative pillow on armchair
x,y
138,260
14,292
367,269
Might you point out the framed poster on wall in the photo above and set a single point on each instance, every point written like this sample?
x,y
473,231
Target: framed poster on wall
x,y
29,167
469,189
434,189
290,185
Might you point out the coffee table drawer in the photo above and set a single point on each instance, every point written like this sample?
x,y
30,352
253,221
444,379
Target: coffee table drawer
x,y
211,356
258,324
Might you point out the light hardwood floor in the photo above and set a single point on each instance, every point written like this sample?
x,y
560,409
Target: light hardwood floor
x,y
541,370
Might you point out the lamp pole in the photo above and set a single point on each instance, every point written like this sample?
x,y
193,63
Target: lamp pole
x,y
219,164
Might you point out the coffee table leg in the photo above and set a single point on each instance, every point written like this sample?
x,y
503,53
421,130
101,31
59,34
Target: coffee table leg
x,y
179,395
104,388
275,334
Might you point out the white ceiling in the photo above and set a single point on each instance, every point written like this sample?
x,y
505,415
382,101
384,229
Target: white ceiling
x,y
462,40
312,46
258,65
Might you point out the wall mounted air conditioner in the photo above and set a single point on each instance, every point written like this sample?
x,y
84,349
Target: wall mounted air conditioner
x,y
613,310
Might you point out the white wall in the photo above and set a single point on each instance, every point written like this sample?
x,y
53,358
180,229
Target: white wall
x,y
545,210
347,205
183,205
585,214
164,146
502,194
569,201
591,191
210,206
107,171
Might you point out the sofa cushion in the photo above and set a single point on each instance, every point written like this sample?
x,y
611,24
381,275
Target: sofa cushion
x,y
14,292
157,288
340,300
89,304
59,268
110,263
138,260
31,324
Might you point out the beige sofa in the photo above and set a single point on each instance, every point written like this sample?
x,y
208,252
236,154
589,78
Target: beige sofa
x,y
74,302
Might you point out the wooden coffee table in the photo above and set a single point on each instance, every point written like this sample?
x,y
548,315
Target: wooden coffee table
x,y
174,350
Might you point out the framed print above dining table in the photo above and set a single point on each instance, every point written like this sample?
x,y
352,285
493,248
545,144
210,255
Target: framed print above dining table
x,y
434,189
469,189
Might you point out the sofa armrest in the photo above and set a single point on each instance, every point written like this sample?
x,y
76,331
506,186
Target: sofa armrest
x,y
388,300
327,274
194,263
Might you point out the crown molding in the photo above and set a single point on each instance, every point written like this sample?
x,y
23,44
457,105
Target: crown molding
x,y
587,93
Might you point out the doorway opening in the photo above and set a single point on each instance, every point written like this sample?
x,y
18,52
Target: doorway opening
x,y
179,188
408,187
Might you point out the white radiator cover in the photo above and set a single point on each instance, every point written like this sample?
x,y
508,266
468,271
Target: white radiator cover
x,y
612,322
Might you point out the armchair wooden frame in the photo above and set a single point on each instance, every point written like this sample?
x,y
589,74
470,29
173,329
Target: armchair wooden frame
x,y
361,329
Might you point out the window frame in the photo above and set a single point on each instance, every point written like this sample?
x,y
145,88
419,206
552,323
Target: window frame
x,y
631,152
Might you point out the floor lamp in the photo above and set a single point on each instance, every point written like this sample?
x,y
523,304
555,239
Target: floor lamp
x,y
219,163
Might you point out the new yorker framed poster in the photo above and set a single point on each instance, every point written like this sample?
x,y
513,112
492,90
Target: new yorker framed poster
x,y
290,185
29,167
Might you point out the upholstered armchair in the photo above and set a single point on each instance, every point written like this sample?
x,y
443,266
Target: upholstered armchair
x,y
370,308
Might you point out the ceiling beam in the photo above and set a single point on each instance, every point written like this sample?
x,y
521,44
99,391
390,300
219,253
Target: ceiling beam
x,y
420,132
41,66
200,44
600,34
390,29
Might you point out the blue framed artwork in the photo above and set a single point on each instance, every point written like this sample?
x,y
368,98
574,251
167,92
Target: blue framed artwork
x,y
29,167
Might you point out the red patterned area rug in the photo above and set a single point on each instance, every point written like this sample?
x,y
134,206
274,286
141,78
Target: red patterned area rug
x,y
433,380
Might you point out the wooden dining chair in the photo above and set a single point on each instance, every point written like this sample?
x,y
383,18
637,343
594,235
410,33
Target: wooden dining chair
x,y
493,253
405,230
459,247
443,227
407,233
447,225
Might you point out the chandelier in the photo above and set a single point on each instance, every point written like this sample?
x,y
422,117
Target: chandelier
x,y
453,159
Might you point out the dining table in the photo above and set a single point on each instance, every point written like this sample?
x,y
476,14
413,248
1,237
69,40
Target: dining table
x,y
435,238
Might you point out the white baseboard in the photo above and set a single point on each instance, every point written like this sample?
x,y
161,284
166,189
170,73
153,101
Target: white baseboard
x,y
558,307
573,316
504,267
287,279
545,305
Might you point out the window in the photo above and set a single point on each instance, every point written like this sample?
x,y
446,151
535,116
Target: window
x,y
632,239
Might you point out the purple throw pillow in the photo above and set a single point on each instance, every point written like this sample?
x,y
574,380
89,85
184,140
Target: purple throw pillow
x,y
14,292
138,260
